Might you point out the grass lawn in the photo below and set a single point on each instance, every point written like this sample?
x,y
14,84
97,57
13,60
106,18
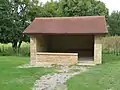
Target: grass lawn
x,y
101,77
12,78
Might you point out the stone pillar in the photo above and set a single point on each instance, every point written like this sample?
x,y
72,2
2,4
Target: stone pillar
x,y
33,50
97,50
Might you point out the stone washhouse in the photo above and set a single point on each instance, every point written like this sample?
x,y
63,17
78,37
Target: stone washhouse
x,y
66,40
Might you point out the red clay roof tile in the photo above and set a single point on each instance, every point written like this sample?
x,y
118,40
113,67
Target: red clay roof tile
x,y
68,25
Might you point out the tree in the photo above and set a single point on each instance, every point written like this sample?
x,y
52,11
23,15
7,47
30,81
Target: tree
x,y
83,8
114,23
20,10
15,17
5,21
51,9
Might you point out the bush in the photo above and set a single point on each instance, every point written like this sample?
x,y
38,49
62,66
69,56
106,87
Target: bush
x,y
7,50
111,45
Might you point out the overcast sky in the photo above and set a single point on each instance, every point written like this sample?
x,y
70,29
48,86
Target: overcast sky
x,y
111,4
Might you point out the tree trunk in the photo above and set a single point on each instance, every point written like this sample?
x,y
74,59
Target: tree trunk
x,y
14,46
20,42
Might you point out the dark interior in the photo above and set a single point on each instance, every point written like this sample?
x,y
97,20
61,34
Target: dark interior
x,y
81,44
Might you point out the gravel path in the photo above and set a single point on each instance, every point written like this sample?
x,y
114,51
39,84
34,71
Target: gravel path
x,y
57,81
49,82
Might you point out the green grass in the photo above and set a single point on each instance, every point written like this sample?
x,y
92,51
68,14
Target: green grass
x,y
101,77
12,78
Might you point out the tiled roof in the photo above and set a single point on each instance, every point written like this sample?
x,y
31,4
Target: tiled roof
x,y
68,25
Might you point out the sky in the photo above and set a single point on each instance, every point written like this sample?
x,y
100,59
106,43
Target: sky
x,y
111,4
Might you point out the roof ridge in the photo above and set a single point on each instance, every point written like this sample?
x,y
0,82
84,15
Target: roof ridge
x,y
76,17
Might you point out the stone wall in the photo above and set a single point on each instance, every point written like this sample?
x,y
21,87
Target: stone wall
x,y
97,50
41,44
57,58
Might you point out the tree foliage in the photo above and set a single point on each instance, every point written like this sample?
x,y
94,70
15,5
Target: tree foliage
x,y
51,9
15,17
83,8
5,21
114,23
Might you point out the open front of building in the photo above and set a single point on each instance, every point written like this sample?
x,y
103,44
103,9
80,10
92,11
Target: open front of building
x,y
65,48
